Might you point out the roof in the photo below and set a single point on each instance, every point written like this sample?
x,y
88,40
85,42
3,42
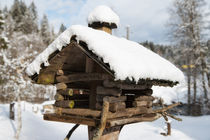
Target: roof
x,y
102,14
127,59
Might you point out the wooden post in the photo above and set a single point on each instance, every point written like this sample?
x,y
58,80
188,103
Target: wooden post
x,y
12,111
102,125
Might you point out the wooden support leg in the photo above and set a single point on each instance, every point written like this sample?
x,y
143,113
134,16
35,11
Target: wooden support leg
x,y
96,133
108,134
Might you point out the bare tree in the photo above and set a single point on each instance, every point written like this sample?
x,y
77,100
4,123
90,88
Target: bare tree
x,y
186,26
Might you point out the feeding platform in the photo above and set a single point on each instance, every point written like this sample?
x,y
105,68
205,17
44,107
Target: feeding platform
x,y
102,81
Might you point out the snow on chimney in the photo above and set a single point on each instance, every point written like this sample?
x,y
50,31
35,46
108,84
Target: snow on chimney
x,y
103,18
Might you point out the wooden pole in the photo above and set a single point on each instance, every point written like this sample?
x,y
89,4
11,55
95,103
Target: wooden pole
x,y
102,125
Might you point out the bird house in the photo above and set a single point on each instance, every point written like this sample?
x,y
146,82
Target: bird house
x,y
102,81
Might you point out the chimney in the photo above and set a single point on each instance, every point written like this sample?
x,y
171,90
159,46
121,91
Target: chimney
x,y
103,18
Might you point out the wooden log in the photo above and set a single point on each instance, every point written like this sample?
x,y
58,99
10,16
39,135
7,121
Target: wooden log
x,y
129,112
118,106
67,91
139,118
70,91
166,108
144,98
71,119
78,112
108,91
62,86
147,92
102,124
82,77
121,85
58,97
142,103
111,99
60,72
113,107
72,104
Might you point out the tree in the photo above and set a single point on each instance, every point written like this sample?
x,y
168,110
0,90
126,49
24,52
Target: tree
x,y
186,26
62,29
45,30
3,39
34,15
18,11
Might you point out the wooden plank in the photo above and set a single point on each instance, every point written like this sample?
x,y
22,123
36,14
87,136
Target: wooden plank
x,y
82,77
142,103
135,119
108,91
72,104
70,119
123,85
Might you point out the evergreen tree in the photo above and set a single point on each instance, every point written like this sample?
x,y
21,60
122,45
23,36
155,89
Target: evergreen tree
x,y
18,11
28,25
3,39
45,30
62,29
34,15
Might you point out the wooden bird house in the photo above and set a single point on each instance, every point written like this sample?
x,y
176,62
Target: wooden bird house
x,y
102,81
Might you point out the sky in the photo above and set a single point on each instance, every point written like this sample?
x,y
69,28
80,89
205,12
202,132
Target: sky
x,y
146,18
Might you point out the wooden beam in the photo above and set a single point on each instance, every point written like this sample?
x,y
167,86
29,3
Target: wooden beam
x,y
82,77
78,112
71,119
135,119
142,103
108,91
123,85
144,98
147,92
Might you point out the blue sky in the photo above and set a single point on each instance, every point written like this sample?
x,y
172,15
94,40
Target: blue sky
x,y
146,18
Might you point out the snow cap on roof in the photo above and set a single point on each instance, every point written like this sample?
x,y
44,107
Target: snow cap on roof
x,y
105,14
126,58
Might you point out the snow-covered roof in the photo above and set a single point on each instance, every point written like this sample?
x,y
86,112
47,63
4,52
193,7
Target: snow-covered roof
x,y
126,58
103,13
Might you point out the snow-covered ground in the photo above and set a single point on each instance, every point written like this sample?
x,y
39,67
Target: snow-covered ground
x,y
35,128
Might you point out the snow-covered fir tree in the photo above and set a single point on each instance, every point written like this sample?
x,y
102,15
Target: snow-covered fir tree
x,y
3,38
34,14
62,29
45,30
